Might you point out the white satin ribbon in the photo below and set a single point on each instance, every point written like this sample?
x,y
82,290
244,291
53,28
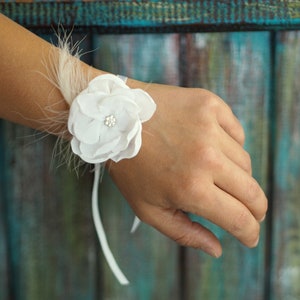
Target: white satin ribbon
x,y
95,108
99,226
100,230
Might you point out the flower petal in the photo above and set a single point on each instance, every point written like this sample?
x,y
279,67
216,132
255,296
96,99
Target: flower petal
x,y
131,151
107,147
87,130
90,105
127,139
75,146
145,103
106,83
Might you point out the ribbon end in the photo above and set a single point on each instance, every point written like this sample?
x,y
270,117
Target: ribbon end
x,y
135,225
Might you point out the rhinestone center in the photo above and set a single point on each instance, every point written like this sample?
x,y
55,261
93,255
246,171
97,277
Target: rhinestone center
x,y
110,121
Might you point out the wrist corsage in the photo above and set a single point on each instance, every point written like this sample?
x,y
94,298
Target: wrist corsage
x,y
105,122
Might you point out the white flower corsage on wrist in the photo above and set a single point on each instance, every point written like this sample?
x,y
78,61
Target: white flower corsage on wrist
x,y
105,122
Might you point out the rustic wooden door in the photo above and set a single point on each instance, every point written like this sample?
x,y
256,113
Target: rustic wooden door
x,y
248,52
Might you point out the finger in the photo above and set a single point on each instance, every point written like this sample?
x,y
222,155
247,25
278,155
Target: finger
x,y
176,225
235,152
230,214
239,184
230,123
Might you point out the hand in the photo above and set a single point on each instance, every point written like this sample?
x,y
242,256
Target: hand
x,y
192,161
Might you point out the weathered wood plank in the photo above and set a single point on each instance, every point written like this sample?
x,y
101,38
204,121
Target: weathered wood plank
x,y
44,232
4,268
169,15
285,273
51,236
149,259
236,66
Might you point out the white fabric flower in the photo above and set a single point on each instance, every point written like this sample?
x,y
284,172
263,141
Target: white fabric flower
x,y
106,120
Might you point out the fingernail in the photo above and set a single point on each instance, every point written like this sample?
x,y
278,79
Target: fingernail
x,y
262,219
212,252
256,243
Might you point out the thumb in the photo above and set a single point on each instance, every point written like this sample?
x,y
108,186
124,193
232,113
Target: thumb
x,y
177,225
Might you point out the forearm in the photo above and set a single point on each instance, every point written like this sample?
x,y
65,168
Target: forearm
x,y
190,145
26,94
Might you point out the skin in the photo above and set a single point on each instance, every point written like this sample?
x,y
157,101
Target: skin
x,y
189,148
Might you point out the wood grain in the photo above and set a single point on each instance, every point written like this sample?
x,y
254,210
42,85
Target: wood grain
x,y
236,66
49,242
157,16
5,279
48,247
149,259
51,238
285,275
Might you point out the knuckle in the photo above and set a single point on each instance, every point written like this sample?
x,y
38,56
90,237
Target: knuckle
x,y
240,222
257,200
253,190
212,102
210,157
209,100
246,228
188,188
187,238
183,240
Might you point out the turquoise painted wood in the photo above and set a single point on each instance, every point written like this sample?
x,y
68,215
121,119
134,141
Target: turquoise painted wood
x,y
50,236
48,246
285,273
4,251
150,261
154,15
236,66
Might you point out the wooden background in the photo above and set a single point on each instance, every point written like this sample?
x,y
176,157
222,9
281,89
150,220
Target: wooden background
x,y
48,247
